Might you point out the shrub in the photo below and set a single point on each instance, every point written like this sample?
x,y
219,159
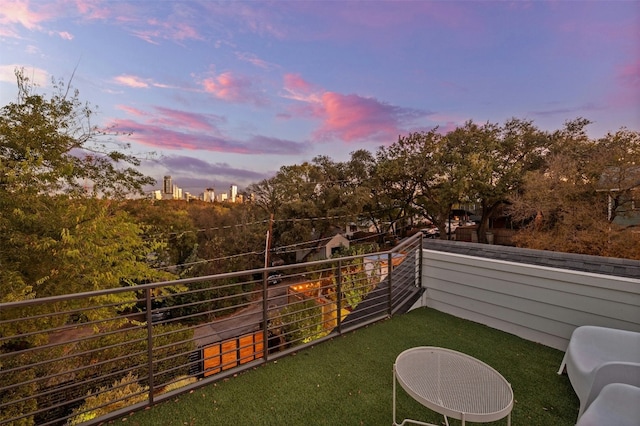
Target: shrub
x,y
122,393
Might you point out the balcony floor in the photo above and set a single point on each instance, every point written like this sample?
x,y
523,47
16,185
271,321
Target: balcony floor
x,y
349,380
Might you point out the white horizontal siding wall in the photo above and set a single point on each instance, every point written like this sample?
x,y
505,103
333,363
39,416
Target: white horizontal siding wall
x,y
537,303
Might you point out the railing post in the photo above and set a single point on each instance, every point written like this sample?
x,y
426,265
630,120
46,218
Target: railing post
x,y
339,296
148,295
420,257
389,274
265,315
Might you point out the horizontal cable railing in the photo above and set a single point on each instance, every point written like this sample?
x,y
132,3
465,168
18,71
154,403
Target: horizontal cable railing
x,y
86,358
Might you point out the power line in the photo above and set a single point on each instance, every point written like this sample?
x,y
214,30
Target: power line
x,y
239,225
277,250
198,262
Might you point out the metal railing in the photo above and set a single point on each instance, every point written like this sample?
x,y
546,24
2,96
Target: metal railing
x,y
86,358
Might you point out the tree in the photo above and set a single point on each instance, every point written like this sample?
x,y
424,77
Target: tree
x,y
51,146
58,237
309,200
494,159
393,187
617,163
566,204
440,180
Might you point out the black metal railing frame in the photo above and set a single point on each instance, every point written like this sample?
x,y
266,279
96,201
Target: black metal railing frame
x,y
381,304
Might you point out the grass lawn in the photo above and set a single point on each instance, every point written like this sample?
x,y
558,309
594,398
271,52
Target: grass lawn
x,y
348,380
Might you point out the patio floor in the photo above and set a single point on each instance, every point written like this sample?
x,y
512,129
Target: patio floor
x,y
348,380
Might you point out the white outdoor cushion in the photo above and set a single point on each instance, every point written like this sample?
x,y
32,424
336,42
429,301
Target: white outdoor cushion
x,y
597,356
617,404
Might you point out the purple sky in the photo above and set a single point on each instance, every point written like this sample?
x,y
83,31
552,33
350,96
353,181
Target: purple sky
x,y
228,92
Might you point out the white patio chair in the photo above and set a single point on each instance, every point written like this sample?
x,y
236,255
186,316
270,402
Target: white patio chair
x,y
616,404
597,356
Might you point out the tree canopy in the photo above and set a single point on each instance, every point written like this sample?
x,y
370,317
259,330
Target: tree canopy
x,y
58,236
575,185
65,225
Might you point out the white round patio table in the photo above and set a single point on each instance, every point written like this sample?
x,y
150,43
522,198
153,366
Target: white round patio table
x,y
453,384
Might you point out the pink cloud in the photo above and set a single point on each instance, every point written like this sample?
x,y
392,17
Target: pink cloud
x,y
167,117
181,130
188,120
385,24
352,118
171,29
254,60
37,75
92,9
629,75
346,117
137,82
233,88
159,136
299,89
294,82
20,12
131,81
132,111
628,79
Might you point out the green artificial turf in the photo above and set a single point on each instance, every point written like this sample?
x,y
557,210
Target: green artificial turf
x,y
348,380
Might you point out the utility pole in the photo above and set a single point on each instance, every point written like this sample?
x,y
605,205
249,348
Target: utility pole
x,y
267,248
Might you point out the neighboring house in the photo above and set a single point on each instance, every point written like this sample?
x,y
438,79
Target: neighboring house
x,y
379,264
623,195
322,250
363,226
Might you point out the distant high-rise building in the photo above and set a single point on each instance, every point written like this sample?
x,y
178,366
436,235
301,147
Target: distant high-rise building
x,y
233,193
223,197
209,195
167,186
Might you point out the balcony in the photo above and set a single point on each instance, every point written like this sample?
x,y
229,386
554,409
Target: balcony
x,y
325,356
348,380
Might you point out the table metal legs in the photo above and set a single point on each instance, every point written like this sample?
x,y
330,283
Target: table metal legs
x,y
405,421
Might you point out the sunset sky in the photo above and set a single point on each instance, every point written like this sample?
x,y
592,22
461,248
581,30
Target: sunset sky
x,y
228,92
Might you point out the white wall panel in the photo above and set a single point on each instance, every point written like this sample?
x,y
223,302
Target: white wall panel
x,y
535,302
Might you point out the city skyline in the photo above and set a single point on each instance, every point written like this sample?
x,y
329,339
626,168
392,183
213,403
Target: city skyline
x,y
229,92
170,190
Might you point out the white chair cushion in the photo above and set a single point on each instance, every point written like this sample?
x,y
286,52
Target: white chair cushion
x,y
597,356
617,404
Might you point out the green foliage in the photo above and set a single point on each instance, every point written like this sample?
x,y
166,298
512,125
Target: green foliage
x,y
46,380
356,282
12,399
24,374
207,300
80,245
167,223
109,354
122,393
178,383
300,322
572,203
56,236
49,145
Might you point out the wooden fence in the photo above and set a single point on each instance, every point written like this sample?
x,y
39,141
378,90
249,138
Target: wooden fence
x,y
233,352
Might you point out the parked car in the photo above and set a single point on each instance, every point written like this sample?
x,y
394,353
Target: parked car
x,y
430,232
274,278
161,315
